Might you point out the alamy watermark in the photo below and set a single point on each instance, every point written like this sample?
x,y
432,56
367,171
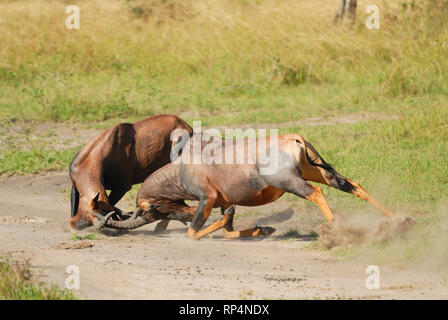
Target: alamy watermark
x,y
234,146
373,278
73,280
373,20
73,20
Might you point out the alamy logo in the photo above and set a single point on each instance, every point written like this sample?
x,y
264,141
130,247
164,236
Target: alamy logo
x,y
72,281
72,21
236,146
373,280
373,20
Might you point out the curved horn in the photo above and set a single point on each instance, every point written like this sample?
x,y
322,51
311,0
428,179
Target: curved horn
x,y
137,219
128,224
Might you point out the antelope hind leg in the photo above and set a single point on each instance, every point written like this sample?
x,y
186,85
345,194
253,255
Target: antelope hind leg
x,y
361,193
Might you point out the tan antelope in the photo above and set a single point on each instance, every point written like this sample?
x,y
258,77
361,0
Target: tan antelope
x,y
222,185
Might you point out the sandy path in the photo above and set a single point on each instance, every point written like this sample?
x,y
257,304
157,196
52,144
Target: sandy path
x,y
142,265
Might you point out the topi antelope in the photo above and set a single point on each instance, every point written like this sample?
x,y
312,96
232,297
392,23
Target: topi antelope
x,y
222,185
117,159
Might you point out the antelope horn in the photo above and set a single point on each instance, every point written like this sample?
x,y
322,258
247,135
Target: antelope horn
x,y
100,221
128,224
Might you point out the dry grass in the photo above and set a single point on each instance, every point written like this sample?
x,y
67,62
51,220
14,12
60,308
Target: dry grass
x,y
134,58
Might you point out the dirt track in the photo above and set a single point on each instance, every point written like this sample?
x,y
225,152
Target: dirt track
x,y
34,214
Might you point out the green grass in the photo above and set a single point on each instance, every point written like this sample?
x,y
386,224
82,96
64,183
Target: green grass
x,y
405,160
90,236
241,62
344,253
17,161
291,233
266,66
18,283
283,56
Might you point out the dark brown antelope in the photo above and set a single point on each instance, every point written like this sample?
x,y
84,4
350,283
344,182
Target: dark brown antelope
x,y
254,181
117,159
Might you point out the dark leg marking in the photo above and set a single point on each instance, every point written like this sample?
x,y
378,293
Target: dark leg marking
x,y
198,218
116,195
74,201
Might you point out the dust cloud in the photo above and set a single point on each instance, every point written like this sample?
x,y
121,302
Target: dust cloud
x,y
347,230
419,242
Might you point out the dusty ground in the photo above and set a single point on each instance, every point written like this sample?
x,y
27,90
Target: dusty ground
x,y
34,213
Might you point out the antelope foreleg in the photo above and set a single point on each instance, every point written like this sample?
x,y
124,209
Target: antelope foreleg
x,y
229,233
212,228
252,232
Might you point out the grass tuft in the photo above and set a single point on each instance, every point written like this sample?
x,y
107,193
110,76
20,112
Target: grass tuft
x,y
18,283
90,236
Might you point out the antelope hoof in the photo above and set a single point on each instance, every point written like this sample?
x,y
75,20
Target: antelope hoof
x,y
192,235
266,231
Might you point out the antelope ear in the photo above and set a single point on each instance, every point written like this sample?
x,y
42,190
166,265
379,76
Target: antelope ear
x,y
94,201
